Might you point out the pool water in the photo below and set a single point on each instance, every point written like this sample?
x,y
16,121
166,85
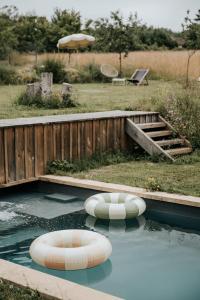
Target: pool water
x,y
150,260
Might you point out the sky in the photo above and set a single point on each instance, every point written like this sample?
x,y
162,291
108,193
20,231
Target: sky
x,y
159,13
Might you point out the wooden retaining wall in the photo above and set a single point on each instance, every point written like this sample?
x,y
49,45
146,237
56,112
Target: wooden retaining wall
x,y
26,145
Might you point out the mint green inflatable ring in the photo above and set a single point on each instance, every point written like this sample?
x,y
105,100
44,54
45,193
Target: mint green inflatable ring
x,y
115,206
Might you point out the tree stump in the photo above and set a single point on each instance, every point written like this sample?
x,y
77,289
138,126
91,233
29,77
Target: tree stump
x,y
33,89
66,88
46,82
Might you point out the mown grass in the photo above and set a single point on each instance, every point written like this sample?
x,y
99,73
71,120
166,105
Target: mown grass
x,y
12,292
92,97
181,177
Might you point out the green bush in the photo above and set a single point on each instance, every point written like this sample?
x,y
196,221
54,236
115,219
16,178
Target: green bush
x,y
68,101
86,74
28,75
55,101
92,73
8,75
182,110
53,66
72,76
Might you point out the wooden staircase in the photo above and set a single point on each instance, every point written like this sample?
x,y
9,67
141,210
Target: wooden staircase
x,y
158,138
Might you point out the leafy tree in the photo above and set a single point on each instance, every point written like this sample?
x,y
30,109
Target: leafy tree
x,y
191,31
32,34
8,40
63,22
112,35
68,21
120,41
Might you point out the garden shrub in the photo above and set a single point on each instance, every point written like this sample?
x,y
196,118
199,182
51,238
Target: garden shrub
x,y
8,75
55,101
53,66
72,75
28,75
182,110
92,73
86,74
68,101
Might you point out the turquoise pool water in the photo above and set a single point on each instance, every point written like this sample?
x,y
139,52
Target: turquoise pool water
x,y
150,260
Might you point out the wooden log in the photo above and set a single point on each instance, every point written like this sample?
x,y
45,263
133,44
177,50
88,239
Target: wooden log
x,y
57,140
74,141
46,82
19,153
103,135
39,150
66,88
10,149
89,138
66,137
33,89
82,140
29,152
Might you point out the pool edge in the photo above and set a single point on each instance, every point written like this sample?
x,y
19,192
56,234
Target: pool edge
x,y
113,187
50,287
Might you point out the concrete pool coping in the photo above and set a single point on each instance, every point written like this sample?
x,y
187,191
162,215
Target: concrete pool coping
x,y
113,187
50,287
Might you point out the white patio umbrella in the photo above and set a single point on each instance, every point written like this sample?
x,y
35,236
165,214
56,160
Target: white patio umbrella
x,y
75,41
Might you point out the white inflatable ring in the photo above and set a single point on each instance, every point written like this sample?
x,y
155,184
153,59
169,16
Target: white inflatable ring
x,y
115,206
115,226
70,249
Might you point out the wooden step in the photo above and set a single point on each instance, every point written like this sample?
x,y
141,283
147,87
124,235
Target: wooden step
x,y
152,125
161,133
178,151
146,142
170,142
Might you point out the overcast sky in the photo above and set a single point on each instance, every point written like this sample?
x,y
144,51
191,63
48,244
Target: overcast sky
x,y
159,13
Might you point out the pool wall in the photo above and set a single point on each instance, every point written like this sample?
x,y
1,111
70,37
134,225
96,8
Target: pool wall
x,y
171,208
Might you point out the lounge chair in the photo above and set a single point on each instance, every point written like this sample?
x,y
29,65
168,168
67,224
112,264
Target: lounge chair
x,y
139,76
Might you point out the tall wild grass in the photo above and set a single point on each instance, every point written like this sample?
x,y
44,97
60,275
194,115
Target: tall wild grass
x,y
166,64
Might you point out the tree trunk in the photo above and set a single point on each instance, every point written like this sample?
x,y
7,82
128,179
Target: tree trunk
x,y
120,64
190,54
36,57
69,58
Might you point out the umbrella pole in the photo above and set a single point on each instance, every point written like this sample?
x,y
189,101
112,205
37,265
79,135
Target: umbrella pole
x,y
69,58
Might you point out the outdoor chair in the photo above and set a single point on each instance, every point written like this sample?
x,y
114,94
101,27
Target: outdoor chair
x,y
110,72
139,76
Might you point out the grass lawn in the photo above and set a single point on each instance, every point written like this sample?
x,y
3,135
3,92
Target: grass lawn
x,y
9,291
181,177
92,97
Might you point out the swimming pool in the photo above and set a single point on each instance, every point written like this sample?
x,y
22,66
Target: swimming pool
x,y
156,256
